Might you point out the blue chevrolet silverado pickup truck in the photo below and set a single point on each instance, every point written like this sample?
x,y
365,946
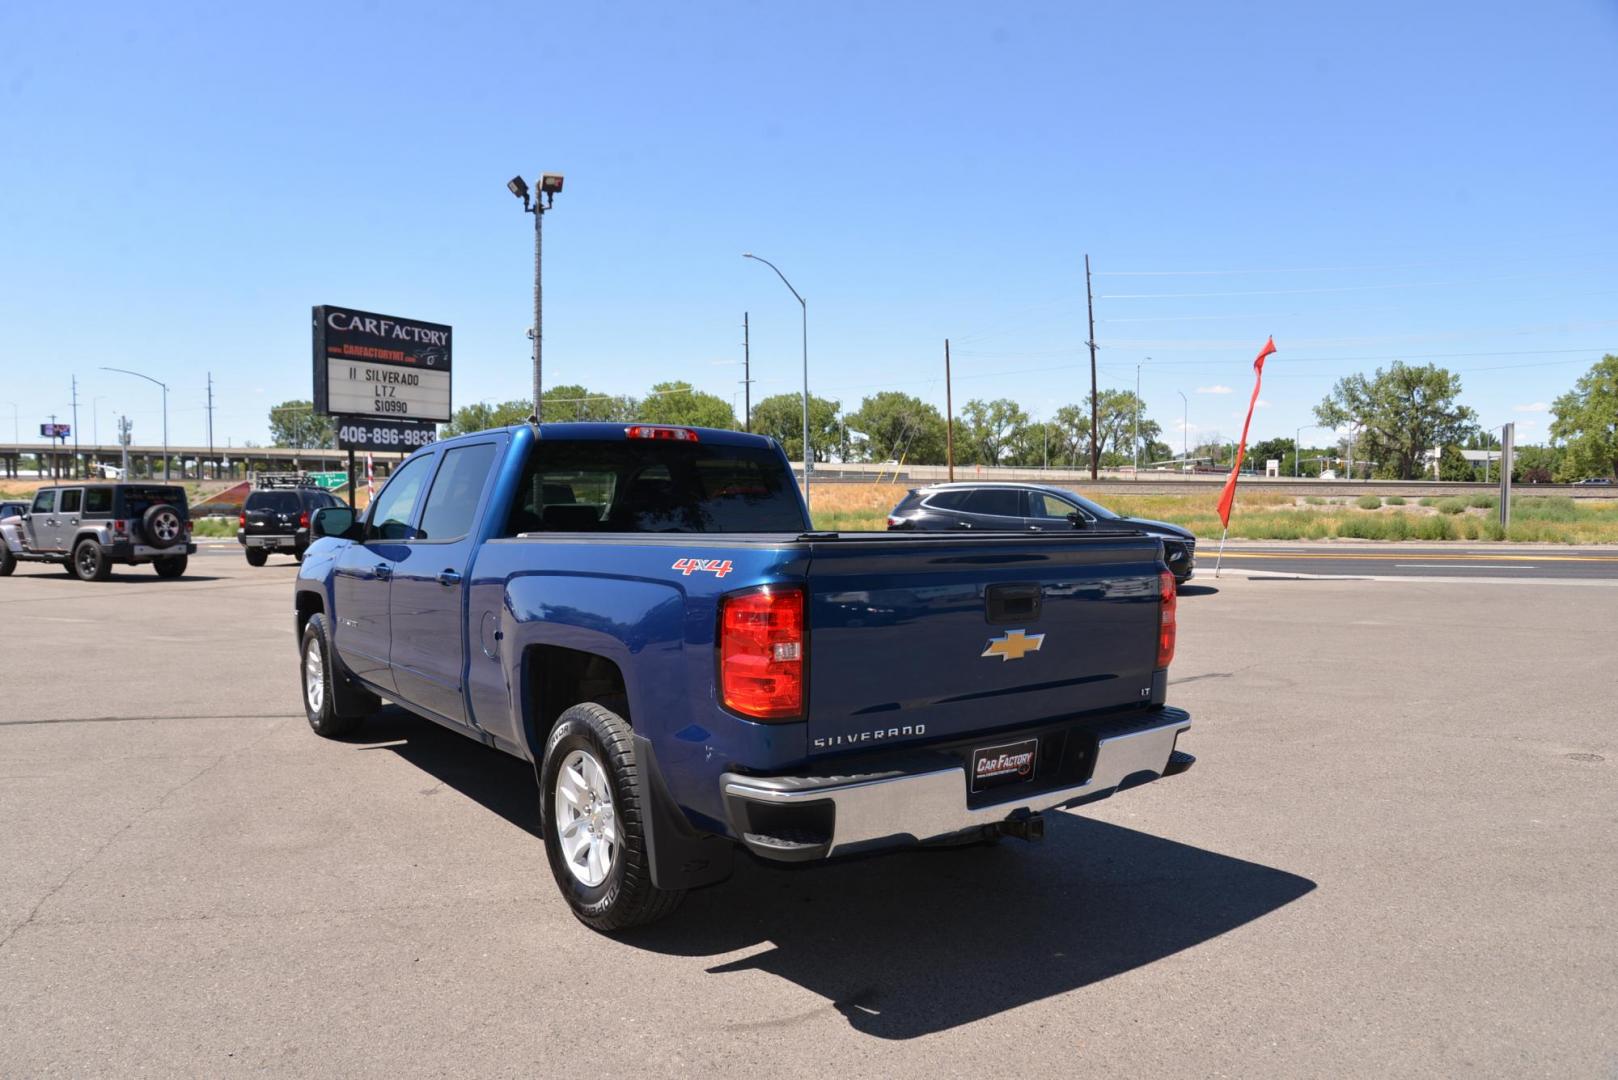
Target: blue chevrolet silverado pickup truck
x,y
646,614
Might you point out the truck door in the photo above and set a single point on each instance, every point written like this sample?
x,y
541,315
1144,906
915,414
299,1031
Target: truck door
x,y
428,635
68,509
362,581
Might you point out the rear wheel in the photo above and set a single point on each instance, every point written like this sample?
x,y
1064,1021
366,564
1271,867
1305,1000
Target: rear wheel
x,y
333,704
89,563
8,561
590,804
257,556
170,566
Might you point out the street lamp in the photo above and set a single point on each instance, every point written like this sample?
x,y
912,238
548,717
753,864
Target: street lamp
x,y
1185,431
1297,449
804,304
1137,419
549,185
148,378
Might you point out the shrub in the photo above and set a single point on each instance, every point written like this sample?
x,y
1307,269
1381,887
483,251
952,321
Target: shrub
x,y
1483,502
1428,500
1435,527
1393,526
1369,502
1451,505
1471,527
1315,500
1395,500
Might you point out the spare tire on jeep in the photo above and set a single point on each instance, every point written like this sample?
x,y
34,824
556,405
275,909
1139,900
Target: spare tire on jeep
x,y
163,525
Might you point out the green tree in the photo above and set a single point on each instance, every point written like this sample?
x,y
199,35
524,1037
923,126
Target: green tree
x,y
1072,422
481,416
1535,464
988,431
678,403
1403,413
1585,421
780,416
571,402
1452,465
896,426
1117,411
295,423
1281,450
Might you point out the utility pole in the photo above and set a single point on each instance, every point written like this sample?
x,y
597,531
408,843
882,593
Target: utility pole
x,y
210,426
1185,431
75,471
1095,409
747,376
949,412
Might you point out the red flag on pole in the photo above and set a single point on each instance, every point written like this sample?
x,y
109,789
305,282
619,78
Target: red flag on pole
x,y
1228,496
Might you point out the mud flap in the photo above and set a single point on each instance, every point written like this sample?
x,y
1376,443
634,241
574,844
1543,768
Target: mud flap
x,y
680,857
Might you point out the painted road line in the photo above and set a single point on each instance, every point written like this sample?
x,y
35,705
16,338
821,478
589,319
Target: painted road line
x,y
1460,566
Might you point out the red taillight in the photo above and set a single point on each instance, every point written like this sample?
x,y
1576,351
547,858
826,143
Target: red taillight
x,y
120,526
188,526
895,522
241,521
648,431
761,645
1168,598
303,520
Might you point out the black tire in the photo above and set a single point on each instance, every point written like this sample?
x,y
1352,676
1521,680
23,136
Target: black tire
x,y
8,561
257,556
298,555
88,562
163,525
342,706
626,897
170,566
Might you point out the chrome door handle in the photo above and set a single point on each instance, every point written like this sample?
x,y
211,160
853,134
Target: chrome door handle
x,y
449,577
383,572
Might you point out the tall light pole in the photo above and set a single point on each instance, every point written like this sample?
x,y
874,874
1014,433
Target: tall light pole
x,y
1185,431
1137,419
148,378
1297,448
549,186
808,453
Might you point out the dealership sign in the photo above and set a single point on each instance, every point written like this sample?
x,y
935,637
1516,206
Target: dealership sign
x,y
375,368
396,436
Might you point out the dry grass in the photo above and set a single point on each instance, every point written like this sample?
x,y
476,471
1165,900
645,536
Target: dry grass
x,y
1265,516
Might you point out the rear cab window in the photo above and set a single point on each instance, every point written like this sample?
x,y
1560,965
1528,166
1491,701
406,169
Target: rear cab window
x,y
139,498
279,502
654,485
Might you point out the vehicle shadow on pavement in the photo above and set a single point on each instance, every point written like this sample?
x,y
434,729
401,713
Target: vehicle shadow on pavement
x,y
921,941
1196,590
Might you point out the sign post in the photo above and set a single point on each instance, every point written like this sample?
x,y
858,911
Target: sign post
x,y
385,379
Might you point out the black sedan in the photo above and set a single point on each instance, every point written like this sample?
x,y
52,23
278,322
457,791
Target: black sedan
x,y
1036,508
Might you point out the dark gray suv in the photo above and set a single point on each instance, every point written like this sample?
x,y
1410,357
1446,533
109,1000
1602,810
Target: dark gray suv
x,y
986,507
89,528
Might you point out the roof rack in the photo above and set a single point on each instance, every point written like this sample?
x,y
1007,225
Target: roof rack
x,y
281,481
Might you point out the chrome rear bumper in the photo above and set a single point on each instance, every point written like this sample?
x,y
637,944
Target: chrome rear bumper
x,y
901,807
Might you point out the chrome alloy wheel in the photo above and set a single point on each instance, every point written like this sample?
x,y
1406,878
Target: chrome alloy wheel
x,y
586,819
167,527
314,677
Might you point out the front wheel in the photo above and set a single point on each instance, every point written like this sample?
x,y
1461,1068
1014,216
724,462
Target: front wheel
x,y
8,561
170,566
334,706
590,805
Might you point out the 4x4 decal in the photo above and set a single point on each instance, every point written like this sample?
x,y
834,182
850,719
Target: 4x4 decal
x,y
716,567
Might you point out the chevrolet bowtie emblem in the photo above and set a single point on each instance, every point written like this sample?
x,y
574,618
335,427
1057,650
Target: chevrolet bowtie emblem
x,y
1014,645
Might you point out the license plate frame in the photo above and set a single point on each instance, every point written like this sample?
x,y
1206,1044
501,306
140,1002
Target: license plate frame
x,y
1002,764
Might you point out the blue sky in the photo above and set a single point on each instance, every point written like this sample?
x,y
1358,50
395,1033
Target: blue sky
x,y
1367,183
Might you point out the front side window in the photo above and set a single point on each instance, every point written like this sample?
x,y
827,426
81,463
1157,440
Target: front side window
x,y
396,505
72,500
45,502
1042,505
453,501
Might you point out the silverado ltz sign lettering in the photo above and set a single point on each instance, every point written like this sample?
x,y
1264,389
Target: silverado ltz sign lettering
x,y
372,368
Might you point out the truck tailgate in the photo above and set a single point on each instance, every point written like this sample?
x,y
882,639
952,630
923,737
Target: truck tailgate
x,y
919,638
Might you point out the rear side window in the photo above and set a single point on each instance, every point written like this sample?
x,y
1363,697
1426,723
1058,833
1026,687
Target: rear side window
x,y
278,502
948,500
45,502
72,499
998,501
654,485
97,502
453,501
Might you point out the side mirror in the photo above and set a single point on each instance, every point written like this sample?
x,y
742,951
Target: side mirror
x,y
1077,519
335,521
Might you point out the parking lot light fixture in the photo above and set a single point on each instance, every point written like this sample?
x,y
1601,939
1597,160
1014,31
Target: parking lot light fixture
x,y
148,378
549,185
804,304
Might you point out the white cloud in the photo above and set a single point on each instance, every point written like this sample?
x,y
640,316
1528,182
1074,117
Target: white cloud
x,y
1536,406
1526,425
1215,389
1181,425
1262,404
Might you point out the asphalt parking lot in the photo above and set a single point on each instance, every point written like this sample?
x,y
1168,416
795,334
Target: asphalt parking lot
x,y
1397,856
